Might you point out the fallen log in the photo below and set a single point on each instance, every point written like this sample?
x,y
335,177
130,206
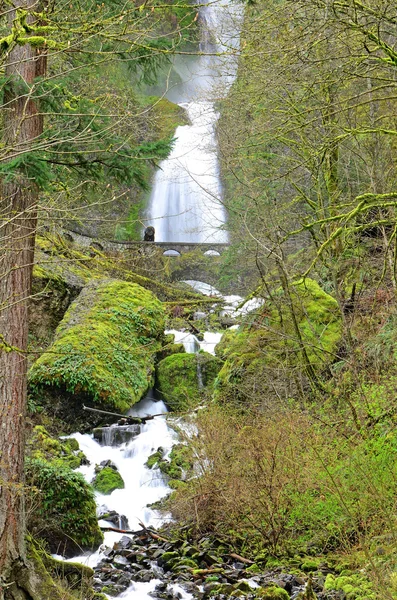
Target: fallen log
x,y
246,561
153,535
131,420
127,531
143,531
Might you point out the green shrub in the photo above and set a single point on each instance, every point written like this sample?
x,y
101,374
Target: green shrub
x,y
63,509
42,446
105,345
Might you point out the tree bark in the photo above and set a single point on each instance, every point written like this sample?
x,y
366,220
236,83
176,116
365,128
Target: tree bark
x,y
18,206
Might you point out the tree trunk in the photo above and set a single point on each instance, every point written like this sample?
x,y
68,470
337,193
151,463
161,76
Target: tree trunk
x,y
18,205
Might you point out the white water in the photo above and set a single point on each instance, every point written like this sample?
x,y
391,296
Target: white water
x,y
186,201
185,206
143,486
192,344
234,306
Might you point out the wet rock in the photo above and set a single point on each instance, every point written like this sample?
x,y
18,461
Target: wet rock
x,y
120,562
107,479
115,435
124,543
113,589
143,575
119,521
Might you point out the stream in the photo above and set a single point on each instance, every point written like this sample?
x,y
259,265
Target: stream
x,y
185,206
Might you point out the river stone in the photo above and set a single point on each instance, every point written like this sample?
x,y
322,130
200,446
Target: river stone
x,y
143,575
113,589
115,435
120,561
123,543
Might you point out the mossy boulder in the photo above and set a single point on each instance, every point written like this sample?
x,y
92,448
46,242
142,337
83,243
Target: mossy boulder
x,y
169,347
105,346
107,480
273,592
64,508
319,320
42,446
356,586
260,355
179,464
183,379
44,577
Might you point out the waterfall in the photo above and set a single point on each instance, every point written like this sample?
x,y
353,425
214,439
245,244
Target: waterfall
x,y
186,200
185,206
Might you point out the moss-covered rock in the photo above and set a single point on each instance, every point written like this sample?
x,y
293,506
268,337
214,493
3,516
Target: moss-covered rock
x,y
155,458
39,581
169,347
272,592
260,356
42,446
107,480
105,346
183,378
63,509
180,463
356,586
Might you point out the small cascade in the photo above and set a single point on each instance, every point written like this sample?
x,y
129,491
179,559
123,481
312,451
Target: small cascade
x,y
189,341
114,435
129,454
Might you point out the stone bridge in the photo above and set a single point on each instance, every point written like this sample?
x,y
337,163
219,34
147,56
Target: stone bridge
x,y
167,248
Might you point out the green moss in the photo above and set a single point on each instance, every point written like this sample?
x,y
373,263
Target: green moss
x,y
356,586
259,356
253,569
154,458
167,116
319,320
42,446
64,507
169,347
78,576
180,462
108,480
105,345
178,378
37,578
310,564
272,593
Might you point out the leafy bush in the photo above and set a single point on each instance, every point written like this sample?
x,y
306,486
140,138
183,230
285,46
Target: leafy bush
x,y
62,508
281,481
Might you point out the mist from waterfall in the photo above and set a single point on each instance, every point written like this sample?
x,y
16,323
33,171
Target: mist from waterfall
x,y
186,200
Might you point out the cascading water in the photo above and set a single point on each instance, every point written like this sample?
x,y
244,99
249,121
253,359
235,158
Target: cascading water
x,y
185,204
142,485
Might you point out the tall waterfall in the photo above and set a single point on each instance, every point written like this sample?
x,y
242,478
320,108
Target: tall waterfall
x,y
185,206
186,201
